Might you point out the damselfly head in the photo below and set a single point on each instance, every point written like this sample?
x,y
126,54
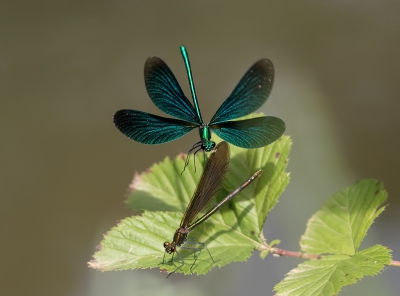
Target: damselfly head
x,y
170,247
208,146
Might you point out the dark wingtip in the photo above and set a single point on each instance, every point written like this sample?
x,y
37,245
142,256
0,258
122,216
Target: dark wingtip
x,y
118,118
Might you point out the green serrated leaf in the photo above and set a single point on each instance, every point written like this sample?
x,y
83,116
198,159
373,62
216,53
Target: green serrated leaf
x,y
273,160
274,243
343,221
230,234
164,188
137,242
329,275
264,253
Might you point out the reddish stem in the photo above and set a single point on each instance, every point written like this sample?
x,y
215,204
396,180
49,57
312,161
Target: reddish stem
x,y
280,252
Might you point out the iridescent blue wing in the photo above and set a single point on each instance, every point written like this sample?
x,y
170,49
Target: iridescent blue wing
x,y
150,129
165,91
251,92
251,133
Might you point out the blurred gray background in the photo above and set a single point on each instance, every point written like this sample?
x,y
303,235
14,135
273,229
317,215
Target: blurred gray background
x,y
67,66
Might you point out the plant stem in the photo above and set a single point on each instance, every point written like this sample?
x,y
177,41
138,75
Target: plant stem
x,y
394,263
280,252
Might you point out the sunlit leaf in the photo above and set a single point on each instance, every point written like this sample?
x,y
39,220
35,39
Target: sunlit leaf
x,y
342,223
230,234
329,275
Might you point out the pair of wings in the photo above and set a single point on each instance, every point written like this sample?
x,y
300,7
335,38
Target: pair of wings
x,y
165,92
210,182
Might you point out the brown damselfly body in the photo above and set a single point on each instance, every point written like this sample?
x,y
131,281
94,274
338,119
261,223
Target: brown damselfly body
x,y
206,191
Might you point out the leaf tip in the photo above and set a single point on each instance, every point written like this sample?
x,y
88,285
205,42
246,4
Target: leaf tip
x,y
94,264
182,156
137,179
